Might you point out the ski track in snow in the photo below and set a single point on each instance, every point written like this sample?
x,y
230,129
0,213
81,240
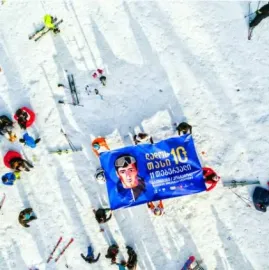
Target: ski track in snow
x,y
165,62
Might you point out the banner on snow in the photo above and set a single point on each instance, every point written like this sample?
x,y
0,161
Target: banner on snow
x,y
150,172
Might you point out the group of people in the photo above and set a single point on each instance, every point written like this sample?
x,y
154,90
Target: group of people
x,y
12,159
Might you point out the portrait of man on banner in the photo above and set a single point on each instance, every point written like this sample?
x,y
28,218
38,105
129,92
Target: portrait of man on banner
x,y
130,185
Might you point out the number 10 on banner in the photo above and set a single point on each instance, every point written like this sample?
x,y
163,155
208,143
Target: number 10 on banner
x,y
179,154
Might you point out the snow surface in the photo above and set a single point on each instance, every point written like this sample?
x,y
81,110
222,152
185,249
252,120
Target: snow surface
x,y
209,74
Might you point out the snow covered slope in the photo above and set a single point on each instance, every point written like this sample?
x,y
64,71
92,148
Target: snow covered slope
x,y
165,61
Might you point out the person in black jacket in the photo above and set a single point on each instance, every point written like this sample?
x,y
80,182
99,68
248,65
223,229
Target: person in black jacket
x,y
132,259
101,215
26,216
261,14
184,128
90,256
6,126
112,253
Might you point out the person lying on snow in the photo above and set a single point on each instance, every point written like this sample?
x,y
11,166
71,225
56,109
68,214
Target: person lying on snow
x,y
142,138
26,216
9,178
184,128
210,177
25,117
90,256
112,253
132,259
49,23
29,141
261,14
101,215
156,210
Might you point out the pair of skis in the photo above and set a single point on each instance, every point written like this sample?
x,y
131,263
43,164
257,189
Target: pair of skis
x,y
235,184
73,90
63,250
41,32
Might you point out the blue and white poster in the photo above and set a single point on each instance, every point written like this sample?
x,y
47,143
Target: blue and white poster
x,y
149,172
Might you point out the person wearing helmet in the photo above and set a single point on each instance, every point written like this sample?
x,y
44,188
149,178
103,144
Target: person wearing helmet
x,y
6,126
261,14
184,128
132,258
130,186
156,210
101,215
141,138
26,216
49,23
112,253
90,256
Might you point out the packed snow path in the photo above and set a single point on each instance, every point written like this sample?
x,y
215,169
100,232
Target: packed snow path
x,y
165,62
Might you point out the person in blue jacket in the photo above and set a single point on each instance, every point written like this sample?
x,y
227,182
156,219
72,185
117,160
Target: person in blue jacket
x,y
29,141
9,178
90,256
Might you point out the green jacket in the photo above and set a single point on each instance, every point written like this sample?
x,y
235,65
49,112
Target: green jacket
x,y
48,21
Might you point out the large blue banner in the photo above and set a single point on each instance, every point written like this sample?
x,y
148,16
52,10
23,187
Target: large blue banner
x,y
150,172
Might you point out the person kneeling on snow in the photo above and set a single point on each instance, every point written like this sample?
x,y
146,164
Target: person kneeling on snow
x,y
210,177
9,178
90,256
26,216
101,215
261,14
29,141
156,210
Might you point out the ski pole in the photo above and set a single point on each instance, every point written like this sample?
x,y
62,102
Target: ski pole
x,y
249,14
68,103
241,198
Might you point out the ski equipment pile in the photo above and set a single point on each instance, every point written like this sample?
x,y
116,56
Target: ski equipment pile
x,y
2,201
55,247
64,249
234,183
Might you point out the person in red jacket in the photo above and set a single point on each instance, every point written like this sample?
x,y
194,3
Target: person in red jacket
x,y
210,177
14,160
25,117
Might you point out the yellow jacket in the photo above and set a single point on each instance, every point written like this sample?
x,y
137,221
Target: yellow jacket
x,y
48,21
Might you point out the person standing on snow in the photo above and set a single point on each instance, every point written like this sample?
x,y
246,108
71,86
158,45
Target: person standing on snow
x,y
142,138
132,259
90,256
49,23
184,128
112,253
261,14
101,215
26,216
29,141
